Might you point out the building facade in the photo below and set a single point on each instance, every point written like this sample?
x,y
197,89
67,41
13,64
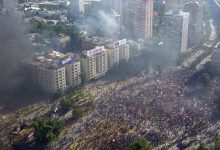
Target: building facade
x,y
113,56
55,71
95,63
195,8
77,6
172,4
138,18
174,32
117,52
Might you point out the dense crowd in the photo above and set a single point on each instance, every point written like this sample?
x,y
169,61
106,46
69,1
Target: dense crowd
x,y
163,110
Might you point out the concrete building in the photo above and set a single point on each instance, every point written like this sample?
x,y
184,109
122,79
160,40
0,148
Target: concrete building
x,y
115,6
138,18
172,4
174,31
88,43
113,56
124,52
55,71
73,72
95,63
1,4
118,51
77,6
195,8
118,19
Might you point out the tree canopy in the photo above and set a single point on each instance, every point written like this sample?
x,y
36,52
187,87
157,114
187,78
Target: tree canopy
x,y
47,130
202,147
217,142
139,144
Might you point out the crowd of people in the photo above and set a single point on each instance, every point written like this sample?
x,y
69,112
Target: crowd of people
x,y
163,110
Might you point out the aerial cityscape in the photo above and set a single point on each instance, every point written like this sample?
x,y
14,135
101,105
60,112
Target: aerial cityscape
x,y
110,75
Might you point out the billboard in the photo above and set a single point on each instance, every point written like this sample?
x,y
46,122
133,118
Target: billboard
x,y
120,43
67,60
95,51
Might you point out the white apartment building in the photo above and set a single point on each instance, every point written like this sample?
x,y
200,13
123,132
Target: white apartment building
x,y
117,52
113,56
56,71
95,63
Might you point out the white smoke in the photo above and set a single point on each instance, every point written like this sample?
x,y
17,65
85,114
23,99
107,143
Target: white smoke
x,y
104,24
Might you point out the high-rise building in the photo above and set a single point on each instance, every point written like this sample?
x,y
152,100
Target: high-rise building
x,y
54,71
113,5
95,63
77,7
195,8
1,4
172,4
174,32
138,18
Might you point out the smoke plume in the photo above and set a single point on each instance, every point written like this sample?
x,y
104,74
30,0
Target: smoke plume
x,y
13,47
103,24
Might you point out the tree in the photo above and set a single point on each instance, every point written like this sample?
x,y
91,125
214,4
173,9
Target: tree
x,y
46,130
78,112
139,144
217,142
1,145
66,104
202,147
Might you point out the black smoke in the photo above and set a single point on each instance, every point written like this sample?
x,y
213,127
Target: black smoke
x,y
13,46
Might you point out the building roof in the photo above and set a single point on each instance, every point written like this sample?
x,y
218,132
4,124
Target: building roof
x,y
52,59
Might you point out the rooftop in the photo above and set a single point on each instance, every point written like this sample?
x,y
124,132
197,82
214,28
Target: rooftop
x,y
52,59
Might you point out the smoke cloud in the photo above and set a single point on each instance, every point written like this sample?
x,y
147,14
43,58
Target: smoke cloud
x,y
13,47
103,24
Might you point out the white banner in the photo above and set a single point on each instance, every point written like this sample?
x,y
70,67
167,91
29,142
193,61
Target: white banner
x,y
120,43
95,51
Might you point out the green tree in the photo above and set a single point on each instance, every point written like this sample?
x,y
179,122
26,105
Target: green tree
x,y
202,147
67,104
1,145
139,144
60,28
46,130
78,112
217,142
90,102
